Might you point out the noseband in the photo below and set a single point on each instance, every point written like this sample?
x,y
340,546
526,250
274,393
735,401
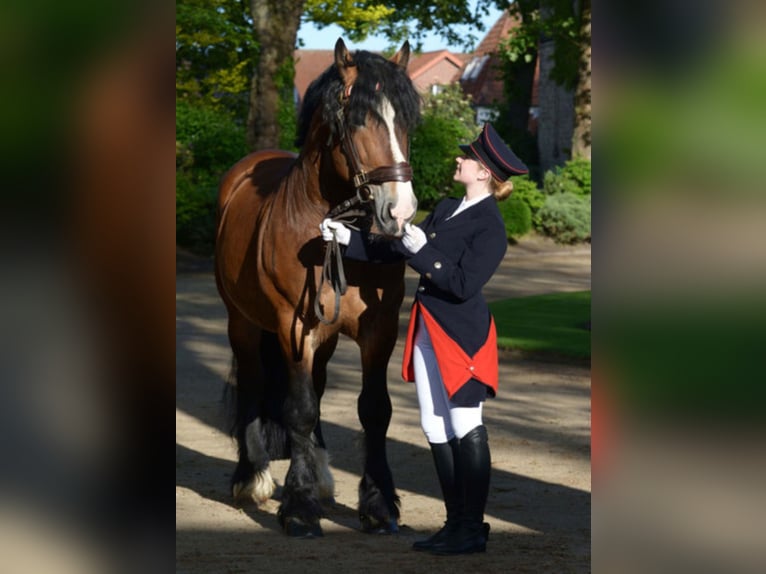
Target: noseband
x,y
362,180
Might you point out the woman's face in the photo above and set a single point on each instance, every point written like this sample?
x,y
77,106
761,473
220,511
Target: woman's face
x,y
468,170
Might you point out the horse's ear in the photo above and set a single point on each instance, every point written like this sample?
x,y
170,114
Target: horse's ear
x,y
343,58
402,57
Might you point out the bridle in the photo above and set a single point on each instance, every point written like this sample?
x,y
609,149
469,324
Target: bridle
x,y
332,267
362,179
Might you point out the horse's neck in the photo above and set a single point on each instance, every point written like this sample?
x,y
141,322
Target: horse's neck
x,y
300,192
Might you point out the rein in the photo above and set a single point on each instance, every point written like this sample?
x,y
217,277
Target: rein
x,y
332,272
344,212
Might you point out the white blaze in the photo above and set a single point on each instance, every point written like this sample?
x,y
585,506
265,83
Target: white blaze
x,y
405,204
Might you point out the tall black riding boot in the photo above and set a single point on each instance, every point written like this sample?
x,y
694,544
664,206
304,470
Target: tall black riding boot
x,y
475,463
447,469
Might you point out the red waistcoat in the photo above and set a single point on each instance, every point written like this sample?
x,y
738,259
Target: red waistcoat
x,y
455,366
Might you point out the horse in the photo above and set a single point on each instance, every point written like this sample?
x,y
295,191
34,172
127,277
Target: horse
x,y
353,135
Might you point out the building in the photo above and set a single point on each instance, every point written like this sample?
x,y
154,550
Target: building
x,y
428,70
431,70
479,73
482,77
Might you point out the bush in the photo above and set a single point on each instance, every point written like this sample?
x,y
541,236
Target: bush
x,y
566,218
573,177
446,122
195,213
578,170
434,147
526,190
516,215
214,139
208,143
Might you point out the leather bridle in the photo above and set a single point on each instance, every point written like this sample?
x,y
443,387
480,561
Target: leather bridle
x,y
362,179
332,267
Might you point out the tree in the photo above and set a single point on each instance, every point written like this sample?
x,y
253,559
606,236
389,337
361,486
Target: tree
x,y
275,23
558,33
215,54
581,140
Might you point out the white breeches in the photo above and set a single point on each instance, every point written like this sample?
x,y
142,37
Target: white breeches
x,y
440,419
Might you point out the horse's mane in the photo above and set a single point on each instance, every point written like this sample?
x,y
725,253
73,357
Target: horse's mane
x,y
373,71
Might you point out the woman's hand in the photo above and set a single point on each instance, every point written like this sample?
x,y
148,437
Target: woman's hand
x,y
414,238
340,232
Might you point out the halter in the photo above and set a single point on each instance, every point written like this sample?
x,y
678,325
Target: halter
x,y
362,180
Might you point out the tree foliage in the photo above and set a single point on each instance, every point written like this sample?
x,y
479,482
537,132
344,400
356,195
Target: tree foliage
x,y
215,54
558,20
400,20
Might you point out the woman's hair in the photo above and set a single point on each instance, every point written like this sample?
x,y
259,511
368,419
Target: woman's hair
x,y
500,189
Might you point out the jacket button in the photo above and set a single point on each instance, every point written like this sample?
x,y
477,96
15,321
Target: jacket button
x,y
428,275
421,289
432,234
437,265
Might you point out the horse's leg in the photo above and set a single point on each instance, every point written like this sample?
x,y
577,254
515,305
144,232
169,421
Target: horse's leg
x,y
319,375
300,511
378,501
251,476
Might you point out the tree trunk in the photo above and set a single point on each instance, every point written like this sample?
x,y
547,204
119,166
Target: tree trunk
x,y
275,24
555,122
581,140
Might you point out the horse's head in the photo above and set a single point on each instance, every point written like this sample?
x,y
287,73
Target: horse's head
x,y
369,106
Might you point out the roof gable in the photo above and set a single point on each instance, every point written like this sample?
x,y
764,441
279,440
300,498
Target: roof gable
x,y
481,78
426,69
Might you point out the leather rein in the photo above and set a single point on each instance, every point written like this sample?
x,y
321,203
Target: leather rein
x,y
348,210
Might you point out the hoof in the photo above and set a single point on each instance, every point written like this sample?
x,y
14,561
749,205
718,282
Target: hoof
x,y
259,488
372,526
296,528
242,490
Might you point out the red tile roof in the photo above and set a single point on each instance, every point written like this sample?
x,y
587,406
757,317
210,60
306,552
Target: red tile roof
x,y
426,69
421,63
499,32
308,65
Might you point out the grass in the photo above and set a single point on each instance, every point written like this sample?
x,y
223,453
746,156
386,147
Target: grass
x,y
556,324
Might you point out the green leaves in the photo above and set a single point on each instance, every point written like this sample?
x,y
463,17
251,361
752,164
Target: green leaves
x,y
215,50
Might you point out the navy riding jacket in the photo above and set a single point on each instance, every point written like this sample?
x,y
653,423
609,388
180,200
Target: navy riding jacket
x,y
460,257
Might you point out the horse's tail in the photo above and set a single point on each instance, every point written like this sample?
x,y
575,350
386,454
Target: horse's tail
x,y
260,398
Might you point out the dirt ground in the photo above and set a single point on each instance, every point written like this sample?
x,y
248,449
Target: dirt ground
x,y
539,429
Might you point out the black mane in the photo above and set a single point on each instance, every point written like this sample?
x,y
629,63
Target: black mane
x,y
373,70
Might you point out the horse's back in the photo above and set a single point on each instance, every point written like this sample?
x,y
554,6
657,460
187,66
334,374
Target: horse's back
x,y
259,168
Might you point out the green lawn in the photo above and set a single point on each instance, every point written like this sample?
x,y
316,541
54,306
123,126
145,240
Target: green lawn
x,y
557,323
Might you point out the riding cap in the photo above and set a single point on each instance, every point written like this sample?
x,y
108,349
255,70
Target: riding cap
x,y
494,154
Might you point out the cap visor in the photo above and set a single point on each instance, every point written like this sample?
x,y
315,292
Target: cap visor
x,y
466,149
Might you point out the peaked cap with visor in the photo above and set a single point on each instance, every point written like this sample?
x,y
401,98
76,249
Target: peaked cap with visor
x,y
492,152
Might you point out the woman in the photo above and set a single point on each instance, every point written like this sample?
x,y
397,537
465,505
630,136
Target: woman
x,y
451,348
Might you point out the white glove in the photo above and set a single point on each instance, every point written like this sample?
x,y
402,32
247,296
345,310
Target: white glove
x,y
414,238
330,229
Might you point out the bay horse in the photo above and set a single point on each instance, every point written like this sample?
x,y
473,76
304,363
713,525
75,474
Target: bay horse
x,y
353,133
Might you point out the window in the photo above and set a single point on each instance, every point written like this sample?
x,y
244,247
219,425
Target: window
x,y
474,67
